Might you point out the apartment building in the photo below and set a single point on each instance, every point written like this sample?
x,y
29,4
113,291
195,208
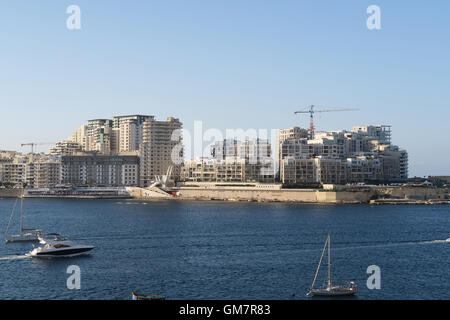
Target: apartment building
x,y
323,170
120,135
31,171
253,150
228,170
233,161
46,173
12,172
161,147
364,154
80,136
100,170
65,148
99,135
129,131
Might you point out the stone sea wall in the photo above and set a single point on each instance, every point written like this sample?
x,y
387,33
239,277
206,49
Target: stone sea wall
x,y
10,193
285,195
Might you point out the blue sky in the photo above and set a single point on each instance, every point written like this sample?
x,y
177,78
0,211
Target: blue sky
x,y
231,64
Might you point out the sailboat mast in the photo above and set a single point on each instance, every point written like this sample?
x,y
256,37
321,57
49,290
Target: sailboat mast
x,y
329,261
21,211
320,262
12,214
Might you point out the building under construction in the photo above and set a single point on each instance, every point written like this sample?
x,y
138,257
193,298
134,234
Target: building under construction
x,y
364,154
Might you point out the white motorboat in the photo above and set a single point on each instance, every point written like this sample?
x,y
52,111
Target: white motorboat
x,y
44,238
25,234
58,246
331,289
448,240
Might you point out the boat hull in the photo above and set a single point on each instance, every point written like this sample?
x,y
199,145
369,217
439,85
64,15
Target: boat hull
x,y
22,237
135,296
72,252
333,294
334,291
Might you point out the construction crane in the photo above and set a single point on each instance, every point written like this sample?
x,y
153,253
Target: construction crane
x,y
311,111
33,144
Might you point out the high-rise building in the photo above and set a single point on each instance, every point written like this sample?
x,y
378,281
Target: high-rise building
x,y
129,131
81,137
161,147
99,132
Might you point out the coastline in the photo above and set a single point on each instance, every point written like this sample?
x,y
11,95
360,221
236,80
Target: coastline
x,y
375,196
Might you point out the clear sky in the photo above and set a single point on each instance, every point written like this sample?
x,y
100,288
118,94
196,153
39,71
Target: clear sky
x,y
231,64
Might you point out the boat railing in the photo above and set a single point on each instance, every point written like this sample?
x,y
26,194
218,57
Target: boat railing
x,y
344,285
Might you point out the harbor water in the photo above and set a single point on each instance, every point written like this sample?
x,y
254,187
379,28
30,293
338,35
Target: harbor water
x,y
228,250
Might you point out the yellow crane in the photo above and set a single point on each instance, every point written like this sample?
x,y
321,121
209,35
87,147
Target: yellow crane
x,y
311,111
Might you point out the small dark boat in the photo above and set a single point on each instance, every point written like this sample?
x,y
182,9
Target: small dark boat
x,y
136,296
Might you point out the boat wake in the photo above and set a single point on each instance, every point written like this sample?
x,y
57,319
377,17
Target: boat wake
x,y
393,244
433,241
14,257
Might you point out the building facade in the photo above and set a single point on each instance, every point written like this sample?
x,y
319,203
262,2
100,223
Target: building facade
x,y
100,170
364,154
162,146
229,170
129,132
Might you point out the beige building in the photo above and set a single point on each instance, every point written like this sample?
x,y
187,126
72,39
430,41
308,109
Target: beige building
x,y
120,135
364,154
12,173
161,147
229,170
31,171
47,173
129,131
80,136
65,148
100,170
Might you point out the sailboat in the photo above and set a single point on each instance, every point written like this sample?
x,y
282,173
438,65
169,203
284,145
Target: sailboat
x,y
25,234
331,289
